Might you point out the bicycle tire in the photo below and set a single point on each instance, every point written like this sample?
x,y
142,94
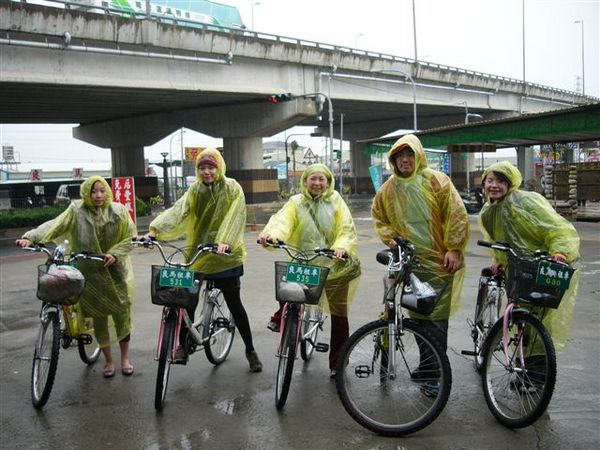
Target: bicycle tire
x,y
164,360
312,315
394,405
45,359
89,351
219,328
287,355
487,312
517,398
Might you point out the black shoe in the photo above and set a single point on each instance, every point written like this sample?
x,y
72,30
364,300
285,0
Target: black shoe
x,y
254,362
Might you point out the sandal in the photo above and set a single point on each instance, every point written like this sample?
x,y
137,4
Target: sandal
x,y
127,371
108,373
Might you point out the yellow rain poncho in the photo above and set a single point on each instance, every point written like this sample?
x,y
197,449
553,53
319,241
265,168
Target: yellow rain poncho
x,y
208,214
526,220
325,222
105,230
426,209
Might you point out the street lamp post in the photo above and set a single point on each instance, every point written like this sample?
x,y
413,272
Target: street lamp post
x,y
167,193
183,182
171,162
582,59
414,33
356,36
414,90
253,5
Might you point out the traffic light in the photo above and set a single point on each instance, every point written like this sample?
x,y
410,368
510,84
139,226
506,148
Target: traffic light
x,y
278,98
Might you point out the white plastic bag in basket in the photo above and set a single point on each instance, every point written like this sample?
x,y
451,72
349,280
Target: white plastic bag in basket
x,y
60,282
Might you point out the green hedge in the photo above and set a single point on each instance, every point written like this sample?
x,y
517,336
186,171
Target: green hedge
x,y
22,218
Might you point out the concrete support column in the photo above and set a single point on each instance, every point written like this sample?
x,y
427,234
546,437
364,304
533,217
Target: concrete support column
x,y
243,157
525,164
361,182
127,161
243,153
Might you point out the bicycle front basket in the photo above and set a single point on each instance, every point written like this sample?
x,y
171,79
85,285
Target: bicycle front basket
x,y
183,297
59,284
522,283
292,285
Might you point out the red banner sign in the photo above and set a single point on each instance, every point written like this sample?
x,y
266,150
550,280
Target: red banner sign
x,y
124,192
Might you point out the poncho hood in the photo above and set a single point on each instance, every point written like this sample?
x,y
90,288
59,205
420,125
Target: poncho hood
x,y
86,192
313,169
509,171
217,157
413,142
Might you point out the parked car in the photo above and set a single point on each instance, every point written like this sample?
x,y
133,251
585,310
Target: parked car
x,y
66,193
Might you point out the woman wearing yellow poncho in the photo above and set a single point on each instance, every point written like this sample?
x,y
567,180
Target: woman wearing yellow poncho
x,y
319,217
98,225
422,205
213,210
526,220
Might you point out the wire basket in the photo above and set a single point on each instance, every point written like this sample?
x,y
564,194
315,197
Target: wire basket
x,y
174,296
59,284
295,292
521,284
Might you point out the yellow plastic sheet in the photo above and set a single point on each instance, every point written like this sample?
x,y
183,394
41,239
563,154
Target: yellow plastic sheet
x,y
526,220
208,214
426,209
108,229
325,222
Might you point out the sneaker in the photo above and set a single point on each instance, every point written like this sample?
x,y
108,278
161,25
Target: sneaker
x,y
181,355
254,362
431,389
273,326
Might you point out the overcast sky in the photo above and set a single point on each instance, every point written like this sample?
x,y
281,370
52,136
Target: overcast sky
x,y
480,35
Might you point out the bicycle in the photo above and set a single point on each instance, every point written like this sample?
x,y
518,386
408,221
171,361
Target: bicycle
x,y
487,311
59,286
298,287
393,377
175,288
518,355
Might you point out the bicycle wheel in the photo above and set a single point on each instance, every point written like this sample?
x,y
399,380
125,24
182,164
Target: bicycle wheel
x,y
311,321
164,359
286,356
376,379
516,393
45,358
487,311
219,328
89,350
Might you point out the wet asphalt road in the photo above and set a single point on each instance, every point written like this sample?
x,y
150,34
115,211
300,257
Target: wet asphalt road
x,y
227,407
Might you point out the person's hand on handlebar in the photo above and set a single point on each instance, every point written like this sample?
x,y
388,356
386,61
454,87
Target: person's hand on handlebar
x,y
263,238
559,257
109,260
23,243
222,248
339,253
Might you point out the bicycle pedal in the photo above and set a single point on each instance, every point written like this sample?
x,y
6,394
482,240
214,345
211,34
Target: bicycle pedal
x,y
322,347
221,322
468,353
85,339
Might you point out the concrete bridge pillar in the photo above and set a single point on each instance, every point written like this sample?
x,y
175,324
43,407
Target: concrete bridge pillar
x,y
127,161
525,163
360,166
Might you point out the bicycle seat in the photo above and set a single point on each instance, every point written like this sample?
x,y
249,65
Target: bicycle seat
x,y
383,256
486,272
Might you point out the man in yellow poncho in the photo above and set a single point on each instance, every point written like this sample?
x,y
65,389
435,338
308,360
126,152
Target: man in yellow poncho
x,y
213,210
526,220
422,205
98,225
319,217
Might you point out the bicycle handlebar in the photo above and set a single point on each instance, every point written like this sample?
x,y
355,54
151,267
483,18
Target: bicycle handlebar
x,y
298,254
41,248
200,250
504,247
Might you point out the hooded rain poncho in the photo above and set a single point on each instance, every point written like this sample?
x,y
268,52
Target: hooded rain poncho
x,y
526,220
325,222
104,230
213,213
426,209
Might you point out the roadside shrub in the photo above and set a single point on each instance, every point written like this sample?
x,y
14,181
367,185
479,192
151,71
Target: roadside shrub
x,y
141,207
21,218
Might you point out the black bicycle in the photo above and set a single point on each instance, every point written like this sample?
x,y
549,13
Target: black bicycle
x,y
392,375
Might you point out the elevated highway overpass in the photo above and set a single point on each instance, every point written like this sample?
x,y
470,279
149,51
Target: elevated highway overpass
x,y
129,82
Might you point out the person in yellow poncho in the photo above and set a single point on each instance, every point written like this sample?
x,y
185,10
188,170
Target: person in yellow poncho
x,y
525,220
319,217
213,210
98,225
422,205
